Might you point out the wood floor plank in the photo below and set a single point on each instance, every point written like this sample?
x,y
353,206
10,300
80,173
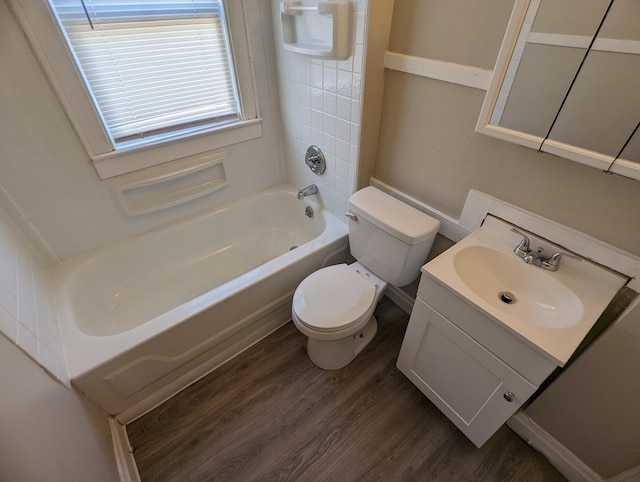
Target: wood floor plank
x,y
270,414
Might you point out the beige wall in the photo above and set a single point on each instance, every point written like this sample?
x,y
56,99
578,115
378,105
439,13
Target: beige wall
x,y
427,148
48,432
464,32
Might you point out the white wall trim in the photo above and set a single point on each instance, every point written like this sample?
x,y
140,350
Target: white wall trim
x,y
123,161
460,74
127,468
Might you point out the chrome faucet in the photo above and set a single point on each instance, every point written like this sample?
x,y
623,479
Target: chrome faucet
x,y
307,191
537,257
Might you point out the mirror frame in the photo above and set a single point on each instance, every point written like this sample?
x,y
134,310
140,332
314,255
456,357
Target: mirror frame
x,y
598,160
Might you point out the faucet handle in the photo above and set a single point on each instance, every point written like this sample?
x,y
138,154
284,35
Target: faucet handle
x,y
552,263
522,249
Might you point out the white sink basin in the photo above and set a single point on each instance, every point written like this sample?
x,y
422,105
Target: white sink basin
x,y
551,311
513,287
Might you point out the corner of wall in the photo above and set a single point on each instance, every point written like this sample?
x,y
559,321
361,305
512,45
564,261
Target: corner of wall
x,y
28,315
49,432
378,32
30,232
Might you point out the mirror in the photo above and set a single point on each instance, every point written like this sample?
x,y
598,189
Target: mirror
x,y
566,82
632,149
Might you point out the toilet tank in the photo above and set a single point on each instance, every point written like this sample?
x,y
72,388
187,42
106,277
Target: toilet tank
x,y
389,237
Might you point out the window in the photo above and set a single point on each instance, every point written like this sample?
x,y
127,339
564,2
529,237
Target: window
x,y
139,76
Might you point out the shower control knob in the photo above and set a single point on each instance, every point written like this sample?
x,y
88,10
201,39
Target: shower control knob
x,y
509,396
314,159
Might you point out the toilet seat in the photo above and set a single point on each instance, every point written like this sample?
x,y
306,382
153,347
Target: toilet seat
x,y
333,299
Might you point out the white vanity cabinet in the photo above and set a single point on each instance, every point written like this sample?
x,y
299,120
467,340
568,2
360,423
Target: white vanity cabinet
x,y
487,328
464,362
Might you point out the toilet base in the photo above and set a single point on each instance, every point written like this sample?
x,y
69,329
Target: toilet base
x,y
335,354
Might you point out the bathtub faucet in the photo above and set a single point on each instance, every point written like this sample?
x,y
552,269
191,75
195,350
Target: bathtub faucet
x,y
307,191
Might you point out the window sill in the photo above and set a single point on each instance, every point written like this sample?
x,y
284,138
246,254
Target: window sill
x,y
124,161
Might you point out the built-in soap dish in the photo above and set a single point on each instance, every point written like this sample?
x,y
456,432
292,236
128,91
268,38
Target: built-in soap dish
x,y
170,184
318,29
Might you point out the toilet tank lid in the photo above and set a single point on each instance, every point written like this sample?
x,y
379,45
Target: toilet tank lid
x,y
393,216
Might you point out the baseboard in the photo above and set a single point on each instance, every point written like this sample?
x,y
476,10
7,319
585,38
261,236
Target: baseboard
x,y
400,298
123,452
567,463
631,475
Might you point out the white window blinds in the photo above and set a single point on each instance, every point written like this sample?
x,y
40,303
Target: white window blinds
x,y
154,67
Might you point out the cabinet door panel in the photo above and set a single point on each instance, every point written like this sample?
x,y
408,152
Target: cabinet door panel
x,y
450,367
464,380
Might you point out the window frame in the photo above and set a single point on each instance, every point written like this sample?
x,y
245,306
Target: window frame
x,y
41,27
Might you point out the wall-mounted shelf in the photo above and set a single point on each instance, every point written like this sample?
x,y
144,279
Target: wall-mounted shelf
x,y
322,29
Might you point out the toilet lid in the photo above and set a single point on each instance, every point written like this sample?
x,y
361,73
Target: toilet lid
x,y
333,298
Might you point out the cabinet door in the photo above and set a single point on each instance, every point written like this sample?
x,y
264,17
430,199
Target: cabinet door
x,y
471,386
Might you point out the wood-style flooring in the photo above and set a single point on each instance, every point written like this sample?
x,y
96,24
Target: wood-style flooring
x,y
271,414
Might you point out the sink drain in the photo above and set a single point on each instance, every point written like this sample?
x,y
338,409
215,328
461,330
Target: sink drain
x,y
507,297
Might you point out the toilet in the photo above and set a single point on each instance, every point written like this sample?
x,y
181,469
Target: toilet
x,y
334,306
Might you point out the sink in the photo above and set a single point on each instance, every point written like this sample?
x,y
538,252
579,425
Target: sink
x,y
514,287
552,311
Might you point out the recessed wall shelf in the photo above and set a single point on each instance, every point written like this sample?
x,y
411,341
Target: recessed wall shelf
x,y
322,29
170,184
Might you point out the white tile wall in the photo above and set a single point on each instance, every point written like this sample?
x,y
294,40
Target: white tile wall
x,y
321,105
48,175
27,311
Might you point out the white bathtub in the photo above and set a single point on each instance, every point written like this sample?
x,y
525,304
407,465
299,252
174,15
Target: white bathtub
x,y
144,318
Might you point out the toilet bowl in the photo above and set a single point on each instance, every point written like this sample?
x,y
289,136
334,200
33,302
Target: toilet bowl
x,y
334,308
